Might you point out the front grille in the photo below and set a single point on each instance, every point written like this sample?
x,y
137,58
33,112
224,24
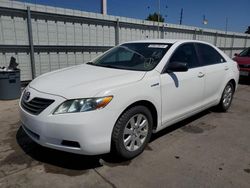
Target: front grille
x,y
244,65
36,105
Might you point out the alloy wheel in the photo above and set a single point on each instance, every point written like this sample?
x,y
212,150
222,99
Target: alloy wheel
x,y
227,96
135,132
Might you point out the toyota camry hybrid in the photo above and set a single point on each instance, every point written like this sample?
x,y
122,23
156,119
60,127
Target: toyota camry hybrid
x,y
115,102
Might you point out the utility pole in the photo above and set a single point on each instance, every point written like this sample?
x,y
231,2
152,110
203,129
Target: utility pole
x,y
104,7
159,5
226,32
226,24
181,16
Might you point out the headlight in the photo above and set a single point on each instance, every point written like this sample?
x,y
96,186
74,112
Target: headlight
x,y
82,105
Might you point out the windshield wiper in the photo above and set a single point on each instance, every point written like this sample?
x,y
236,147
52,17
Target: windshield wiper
x,y
94,64
109,66
90,63
100,65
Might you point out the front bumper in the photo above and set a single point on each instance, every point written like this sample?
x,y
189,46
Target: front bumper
x,y
86,133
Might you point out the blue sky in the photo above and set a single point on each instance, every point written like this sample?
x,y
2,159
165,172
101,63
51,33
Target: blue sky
x,y
216,11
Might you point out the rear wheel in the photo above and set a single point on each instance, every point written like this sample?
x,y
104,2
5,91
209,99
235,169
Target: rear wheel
x,y
226,98
132,132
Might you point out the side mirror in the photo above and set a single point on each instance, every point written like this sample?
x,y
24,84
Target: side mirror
x,y
177,66
236,54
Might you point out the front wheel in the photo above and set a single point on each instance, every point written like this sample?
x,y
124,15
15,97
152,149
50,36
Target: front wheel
x,y
132,132
226,98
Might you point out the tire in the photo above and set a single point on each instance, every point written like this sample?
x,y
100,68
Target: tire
x,y
132,132
226,98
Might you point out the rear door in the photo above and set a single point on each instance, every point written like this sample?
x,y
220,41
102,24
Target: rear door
x,y
215,67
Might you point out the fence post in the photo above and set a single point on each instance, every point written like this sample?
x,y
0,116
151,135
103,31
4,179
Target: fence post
x,y
32,57
225,40
232,45
215,38
117,38
194,35
245,45
162,32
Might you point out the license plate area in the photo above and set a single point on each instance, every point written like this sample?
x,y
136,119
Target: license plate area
x,y
244,73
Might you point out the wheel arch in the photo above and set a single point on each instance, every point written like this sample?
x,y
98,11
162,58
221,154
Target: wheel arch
x,y
148,105
233,82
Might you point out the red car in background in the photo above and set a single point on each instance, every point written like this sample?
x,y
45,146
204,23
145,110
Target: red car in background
x,y
243,60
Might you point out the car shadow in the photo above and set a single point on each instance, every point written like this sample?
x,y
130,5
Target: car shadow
x,y
244,80
175,79
180,124
63,159
54,157
78,162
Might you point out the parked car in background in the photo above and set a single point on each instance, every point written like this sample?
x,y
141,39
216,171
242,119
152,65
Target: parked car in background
x,y
243,60
116,102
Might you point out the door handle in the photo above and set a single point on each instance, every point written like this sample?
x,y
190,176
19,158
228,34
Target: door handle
x,y
226,68
200,75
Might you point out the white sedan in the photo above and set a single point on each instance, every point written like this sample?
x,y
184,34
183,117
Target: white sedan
x,y
116,102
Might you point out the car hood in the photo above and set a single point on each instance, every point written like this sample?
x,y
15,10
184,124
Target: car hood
x,y
83,80
242,60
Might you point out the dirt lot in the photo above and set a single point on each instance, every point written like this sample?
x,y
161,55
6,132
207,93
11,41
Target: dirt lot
x,y
210,149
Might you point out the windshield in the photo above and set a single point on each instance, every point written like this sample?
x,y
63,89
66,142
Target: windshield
x,y
133,56
245,53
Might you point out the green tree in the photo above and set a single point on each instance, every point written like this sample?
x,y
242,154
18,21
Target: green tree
x,y
154,17
248,30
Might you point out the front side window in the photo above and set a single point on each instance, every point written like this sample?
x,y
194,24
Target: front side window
x,y
185,53
209,55
133,56
245,53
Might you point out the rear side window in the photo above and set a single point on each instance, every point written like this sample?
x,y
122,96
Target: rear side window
x,y
185,53
208,55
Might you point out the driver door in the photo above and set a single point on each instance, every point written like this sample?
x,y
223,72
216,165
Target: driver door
x,y
182,92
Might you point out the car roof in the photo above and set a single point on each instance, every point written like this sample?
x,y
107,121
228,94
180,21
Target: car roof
x,y
169,41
